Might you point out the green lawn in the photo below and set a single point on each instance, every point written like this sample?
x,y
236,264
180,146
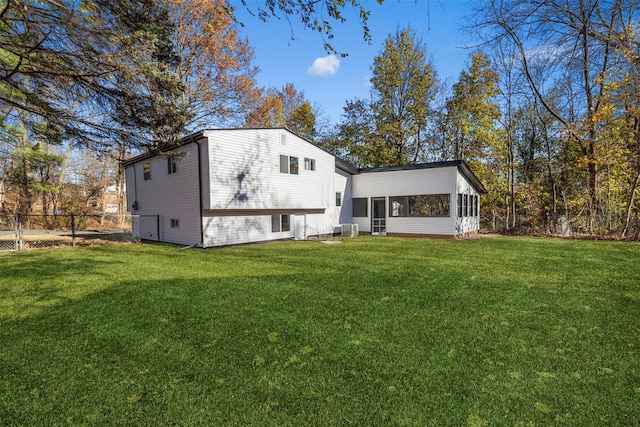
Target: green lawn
x,y
370,332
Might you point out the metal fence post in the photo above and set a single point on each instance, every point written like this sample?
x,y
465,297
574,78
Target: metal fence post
x,y
158,225
73,230
19,237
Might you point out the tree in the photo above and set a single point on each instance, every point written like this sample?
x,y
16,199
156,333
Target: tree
x,y
215,65
314,15
34,168
572,42
356,140
284,108
403,86
391,129
98,70
472,110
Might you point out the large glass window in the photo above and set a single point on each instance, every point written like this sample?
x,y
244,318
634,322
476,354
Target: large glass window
x,y
425,205
429,205
398,206
359,207
468,205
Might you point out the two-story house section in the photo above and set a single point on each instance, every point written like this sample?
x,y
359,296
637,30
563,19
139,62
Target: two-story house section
x,y
232,186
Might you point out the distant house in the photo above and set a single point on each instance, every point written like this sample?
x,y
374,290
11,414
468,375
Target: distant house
x,y
231,186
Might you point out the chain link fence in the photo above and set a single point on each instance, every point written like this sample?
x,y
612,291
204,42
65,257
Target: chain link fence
x,y
19,232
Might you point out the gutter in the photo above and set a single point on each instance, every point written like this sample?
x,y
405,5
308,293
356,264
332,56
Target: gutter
x,y
200,193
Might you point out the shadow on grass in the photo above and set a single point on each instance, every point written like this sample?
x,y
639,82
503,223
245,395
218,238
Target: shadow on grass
x,y
307,347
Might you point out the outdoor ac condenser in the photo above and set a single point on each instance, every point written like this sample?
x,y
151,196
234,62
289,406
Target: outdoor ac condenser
x,y
349,230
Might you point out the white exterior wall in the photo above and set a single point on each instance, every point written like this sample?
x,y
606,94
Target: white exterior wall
x,y
469,223
407,183
171,196
247,187
242,187
238,229
244,171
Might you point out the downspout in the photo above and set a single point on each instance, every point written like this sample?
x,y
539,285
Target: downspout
x,y
134,207
200,193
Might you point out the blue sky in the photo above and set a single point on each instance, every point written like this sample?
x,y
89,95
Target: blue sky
x,y
330,82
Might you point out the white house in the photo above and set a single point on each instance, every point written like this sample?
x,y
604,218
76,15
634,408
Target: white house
x,y
231,186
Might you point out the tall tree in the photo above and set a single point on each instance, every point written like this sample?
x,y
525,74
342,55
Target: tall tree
x,y
573,41
356,140
473,111
215,65
403,86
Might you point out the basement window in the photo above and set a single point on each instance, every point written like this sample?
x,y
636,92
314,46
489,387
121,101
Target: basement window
x,y
280,223
175,223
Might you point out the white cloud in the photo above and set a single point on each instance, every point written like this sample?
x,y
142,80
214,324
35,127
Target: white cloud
x,y
323,67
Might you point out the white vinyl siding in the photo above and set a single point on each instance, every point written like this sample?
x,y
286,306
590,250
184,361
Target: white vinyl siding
x,y
386,184
237,229
245,171
171,196
465,193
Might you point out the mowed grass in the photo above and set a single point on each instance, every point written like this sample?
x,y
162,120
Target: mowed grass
x,y
370,332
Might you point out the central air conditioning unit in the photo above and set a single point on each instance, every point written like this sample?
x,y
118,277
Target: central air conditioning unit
x,y
349,230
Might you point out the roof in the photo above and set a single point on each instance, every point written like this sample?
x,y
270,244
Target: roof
x,y
340,163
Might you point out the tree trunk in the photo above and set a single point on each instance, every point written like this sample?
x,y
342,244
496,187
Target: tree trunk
x,y
629,205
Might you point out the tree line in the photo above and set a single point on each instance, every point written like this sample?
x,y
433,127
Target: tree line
x,y
545,111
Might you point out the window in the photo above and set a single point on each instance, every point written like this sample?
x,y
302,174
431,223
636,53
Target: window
x,y
172,165
398,206
359,207
309,164
280,223
426,205
430,205
338,198
466,209
288,164
284,164
293,165
468,205
146,169
286,225
175,223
